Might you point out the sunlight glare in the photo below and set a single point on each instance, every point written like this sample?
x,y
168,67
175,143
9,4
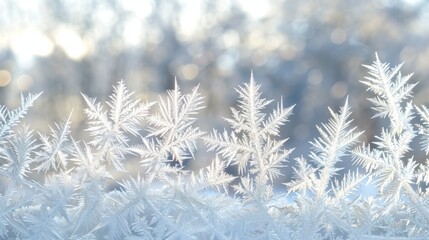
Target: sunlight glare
x,y
190,18
141,9
72,44
133,32
29,42
256,9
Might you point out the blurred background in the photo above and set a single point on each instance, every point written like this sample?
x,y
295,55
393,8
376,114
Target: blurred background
x,y
308,52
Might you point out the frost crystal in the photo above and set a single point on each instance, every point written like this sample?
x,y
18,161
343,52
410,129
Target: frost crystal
x,y
82,197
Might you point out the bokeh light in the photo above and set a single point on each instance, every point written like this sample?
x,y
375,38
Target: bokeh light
x,y
190,71
24,82
5,78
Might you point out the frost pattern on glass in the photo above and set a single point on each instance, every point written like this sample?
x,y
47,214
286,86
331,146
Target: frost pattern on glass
x,y
84,194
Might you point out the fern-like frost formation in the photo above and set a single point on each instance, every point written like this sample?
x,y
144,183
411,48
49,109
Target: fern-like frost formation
x,y
83,197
